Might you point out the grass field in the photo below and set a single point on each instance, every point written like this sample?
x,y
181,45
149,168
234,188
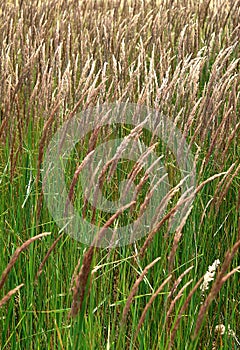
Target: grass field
x,y
170,289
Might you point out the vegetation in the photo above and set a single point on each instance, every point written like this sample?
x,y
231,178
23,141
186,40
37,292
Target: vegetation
x,y
170,289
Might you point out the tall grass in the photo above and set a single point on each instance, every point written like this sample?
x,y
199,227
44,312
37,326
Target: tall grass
x,y
59,58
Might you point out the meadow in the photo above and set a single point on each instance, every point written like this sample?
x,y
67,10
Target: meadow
x,y
171,288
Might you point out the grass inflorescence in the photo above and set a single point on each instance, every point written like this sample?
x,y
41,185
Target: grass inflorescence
x,y
60,58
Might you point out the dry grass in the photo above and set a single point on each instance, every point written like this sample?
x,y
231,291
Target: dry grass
x,y
180,58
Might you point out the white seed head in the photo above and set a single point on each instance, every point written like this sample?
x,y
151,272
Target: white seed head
x,y
209,275
220,328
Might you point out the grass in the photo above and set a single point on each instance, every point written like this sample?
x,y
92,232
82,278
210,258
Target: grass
x,y
59,59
